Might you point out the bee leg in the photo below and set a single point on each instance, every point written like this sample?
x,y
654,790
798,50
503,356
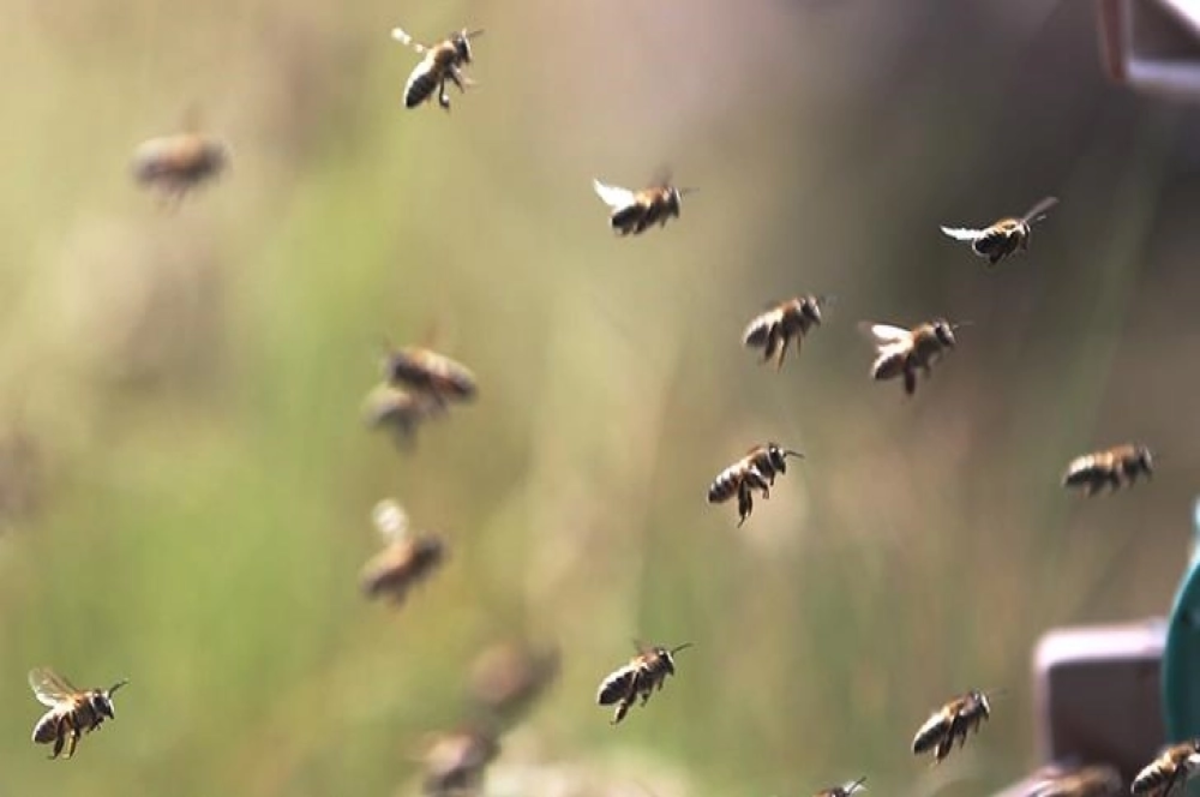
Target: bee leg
x,y
59,738
783,347
74,741
745,504
910,381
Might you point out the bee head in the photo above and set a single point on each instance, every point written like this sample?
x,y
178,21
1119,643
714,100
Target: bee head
x,y
462,44
675,198
668,656
102,701
810,308
944,331
778,456
1145,460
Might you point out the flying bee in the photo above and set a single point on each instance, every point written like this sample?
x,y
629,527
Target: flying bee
x,y
408,558
845,790
441,62
455,761
634,211
1116,467
900,352
431,374
1093,780
644,673
774,330
400,411
1174,766
73,712
177,163
509,676
952,722
755,471
1004,237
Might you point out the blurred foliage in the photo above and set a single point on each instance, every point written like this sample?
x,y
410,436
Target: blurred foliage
x,y
186,482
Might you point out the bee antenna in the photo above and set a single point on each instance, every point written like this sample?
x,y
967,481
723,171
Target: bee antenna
x,y
991,694
678,648
472,34
117,685
787,452
827,299
961,324
686,191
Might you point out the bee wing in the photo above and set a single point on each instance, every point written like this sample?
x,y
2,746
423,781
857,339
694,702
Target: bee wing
x,y
963,233
1041,207
612,195
884,334
49,687
390,519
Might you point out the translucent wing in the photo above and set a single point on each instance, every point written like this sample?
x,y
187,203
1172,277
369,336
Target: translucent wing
x,y
963,233
1040,208
390,519
884,334
399,35
49,687
613,196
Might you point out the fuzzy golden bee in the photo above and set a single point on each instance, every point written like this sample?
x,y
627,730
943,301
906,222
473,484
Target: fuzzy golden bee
x,y
400,411
1092,780
408,559
424,371
645,672
1116,467
72,712
951,723
1004,237
1174,766
902,352
774,330
175,164
845,790
440,63
636,211
455,762
755,471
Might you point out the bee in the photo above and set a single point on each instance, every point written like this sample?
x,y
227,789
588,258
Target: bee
x,y
755,471
845,790
509,676
1117,466
952,722
407,559
644,673
900,352
441,62
400,411
455,761
1174,766
1004,237
1094,780
431,374
774,330
177,163
634,211
73,712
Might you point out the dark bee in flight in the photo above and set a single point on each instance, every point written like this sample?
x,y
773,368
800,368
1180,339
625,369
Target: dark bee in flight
x,y
1093,780
408,558
845,790
441,62
635,211
1005,236
901,352
455,762
1174,766
644,673
1116,467
774,330
431,374
755,471
400,411
73,712
951,723
177,163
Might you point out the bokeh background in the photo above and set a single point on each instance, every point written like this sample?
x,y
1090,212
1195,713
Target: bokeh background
x,y
186,484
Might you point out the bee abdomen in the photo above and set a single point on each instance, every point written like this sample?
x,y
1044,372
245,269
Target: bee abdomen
x,y
47,729
889,366
420,86
615,687
1148,779
722,488
928,736
630,218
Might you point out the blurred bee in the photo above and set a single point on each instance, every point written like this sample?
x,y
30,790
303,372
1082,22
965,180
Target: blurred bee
x,y
73,712
845,790
441,62
900,352
1174,766
177,163
509,676
455,761
634,211
431,374
644,673
1115,467
952,722
400,411
1005,236
774,330
408,558
755,471
1094,780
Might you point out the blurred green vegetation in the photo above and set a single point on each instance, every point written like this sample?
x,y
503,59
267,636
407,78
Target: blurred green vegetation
x,y
195,486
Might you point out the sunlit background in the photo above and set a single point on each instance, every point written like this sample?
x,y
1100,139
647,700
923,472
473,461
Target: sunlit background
x,y
186,482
